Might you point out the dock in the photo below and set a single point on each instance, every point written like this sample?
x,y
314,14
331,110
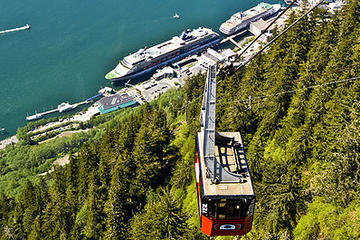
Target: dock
x,y
231,38
37,116
234,42
27,26
94,97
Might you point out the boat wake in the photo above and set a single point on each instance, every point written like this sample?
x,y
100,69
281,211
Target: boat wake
x,y
27,26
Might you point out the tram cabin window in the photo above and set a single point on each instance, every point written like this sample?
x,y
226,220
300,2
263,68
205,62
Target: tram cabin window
x,y
228,209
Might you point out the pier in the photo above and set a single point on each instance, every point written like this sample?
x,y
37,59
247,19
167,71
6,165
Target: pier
x,y
234,42
27,26
37,116
94,97
231,38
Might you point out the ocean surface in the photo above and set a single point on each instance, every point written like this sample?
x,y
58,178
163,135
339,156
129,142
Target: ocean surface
x,y
72,45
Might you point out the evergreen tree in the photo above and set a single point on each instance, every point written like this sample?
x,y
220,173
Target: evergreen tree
x,y
162,218
119,205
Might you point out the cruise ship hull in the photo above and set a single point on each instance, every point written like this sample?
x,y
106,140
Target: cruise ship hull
x,y
245,24
164,63
233,30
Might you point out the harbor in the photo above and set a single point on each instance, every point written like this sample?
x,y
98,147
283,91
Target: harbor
x,y
175,73
205,135
59,77
172,75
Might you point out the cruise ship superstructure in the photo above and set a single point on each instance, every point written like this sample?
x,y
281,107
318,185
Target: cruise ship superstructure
x,y
241,20
147,59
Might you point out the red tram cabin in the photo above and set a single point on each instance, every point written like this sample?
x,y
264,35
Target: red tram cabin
x,y
225,194
226,200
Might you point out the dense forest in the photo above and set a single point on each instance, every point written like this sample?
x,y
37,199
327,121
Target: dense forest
x,y
135,179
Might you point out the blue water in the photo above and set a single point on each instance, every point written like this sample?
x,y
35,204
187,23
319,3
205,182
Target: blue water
x,y
73,44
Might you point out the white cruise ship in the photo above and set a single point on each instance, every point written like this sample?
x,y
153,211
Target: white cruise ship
x,y
242,20
147,59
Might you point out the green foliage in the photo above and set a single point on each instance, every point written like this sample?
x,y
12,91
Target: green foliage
x,y
20,162
104,184
22,132
183,174
328,221
162,218
133,178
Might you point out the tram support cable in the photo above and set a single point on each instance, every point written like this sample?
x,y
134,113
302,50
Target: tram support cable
x,y
278,16
283,32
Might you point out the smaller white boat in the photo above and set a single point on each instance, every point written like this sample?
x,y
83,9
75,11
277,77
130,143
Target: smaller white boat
x,y
63,107
2,129
27,26
176,16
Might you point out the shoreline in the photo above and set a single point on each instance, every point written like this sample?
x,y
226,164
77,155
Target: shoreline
x,y
242,42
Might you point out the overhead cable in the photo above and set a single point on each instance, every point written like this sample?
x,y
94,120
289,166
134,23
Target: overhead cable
x,y
279,35
264,31
295,90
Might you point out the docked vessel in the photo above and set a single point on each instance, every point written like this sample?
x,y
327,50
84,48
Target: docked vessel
x,y
241,20
147,59
36,116
63,107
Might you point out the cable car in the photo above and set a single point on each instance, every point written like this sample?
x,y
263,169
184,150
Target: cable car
x,y
226,198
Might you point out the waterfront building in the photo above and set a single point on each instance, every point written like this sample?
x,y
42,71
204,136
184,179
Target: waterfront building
x,y
115,102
